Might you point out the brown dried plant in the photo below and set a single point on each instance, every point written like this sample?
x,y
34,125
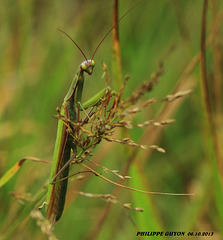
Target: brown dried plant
x,y
113,111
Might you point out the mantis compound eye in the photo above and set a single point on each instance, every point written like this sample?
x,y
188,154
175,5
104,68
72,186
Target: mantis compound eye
x,y
92,63
83,66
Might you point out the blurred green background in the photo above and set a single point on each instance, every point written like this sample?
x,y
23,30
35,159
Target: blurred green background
x,y
37,64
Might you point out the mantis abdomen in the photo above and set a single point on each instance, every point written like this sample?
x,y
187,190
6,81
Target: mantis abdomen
x,y
57,192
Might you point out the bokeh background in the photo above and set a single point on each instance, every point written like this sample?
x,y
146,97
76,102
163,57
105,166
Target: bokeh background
x,y
37,64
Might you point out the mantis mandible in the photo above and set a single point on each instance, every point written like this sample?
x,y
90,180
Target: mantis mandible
x,y
64,145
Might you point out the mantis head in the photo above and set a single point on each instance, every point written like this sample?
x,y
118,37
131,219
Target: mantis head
x,y
88,66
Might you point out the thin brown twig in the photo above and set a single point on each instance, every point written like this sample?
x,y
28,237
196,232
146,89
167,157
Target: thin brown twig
x,y
133,189
205,85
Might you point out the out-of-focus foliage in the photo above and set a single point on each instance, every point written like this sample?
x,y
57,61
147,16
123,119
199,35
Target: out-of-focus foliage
x,y
37,64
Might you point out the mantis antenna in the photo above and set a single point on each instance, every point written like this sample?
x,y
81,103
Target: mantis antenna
x,y
105,34
74,43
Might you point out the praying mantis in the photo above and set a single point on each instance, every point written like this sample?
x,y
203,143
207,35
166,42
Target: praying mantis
x,y
62,153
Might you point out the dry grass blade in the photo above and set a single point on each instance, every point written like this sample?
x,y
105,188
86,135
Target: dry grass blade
x,y
155,123
109,170
110,199
133,189
146,86
15,168
176,95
